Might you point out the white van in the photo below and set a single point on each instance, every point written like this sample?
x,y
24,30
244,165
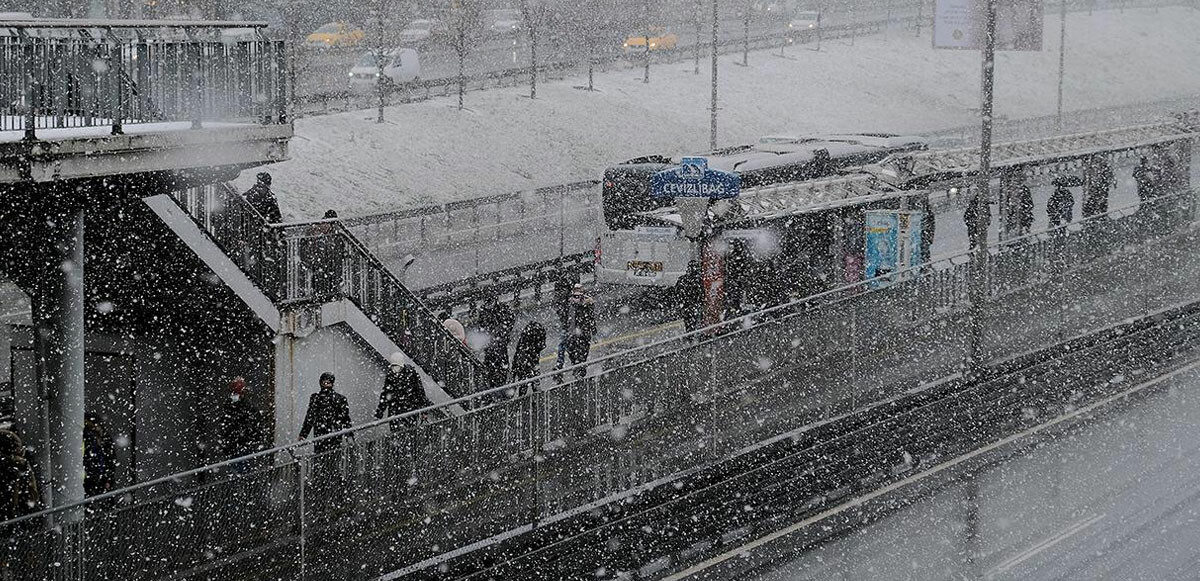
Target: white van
x,y
401,65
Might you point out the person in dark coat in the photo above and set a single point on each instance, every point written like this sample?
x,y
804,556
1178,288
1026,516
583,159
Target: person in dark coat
x,y
690,294
580,327
243,428
497,320
18,485
1061,206
328,412
321,251
262,199
525,361
1024,210
563,285
99,457
1147,177
974,234
402,393
1098,181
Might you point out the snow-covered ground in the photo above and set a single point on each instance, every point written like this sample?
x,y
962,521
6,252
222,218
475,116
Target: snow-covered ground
x,y
430,152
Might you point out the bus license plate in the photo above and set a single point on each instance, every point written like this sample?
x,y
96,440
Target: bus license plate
x,y
644,269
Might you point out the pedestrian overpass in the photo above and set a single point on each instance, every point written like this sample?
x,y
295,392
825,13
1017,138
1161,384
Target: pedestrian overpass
x,y
150,282
540,478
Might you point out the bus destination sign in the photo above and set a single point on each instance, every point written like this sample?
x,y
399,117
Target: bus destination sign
x,y
693,179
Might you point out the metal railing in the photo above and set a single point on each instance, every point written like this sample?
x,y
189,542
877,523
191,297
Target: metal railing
x,y
312,264
476,238
109,74
530,453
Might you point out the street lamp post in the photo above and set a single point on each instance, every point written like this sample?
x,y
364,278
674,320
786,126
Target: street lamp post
x,y
1062,62
979,215
712,138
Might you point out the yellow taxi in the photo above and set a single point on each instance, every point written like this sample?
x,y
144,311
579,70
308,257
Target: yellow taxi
x,y
660,39
335,34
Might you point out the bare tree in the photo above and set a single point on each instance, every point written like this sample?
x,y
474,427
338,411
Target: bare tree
x,y
535,14
466,29
384,24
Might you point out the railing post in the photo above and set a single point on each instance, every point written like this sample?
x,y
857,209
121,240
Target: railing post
x,y
303,475
30,91
117,72
198,83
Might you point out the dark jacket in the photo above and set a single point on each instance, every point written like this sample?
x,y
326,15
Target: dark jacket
x,y
581,317
243,430
497,320
263,200
328,411
1024,209
1061,206
562,293
99,457
529,350
18,485
690,295
1148,178
969,219
402,393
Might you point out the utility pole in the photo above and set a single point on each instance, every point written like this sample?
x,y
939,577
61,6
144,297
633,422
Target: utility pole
x,y
1062,62
698,17
646,22
712,138
980,215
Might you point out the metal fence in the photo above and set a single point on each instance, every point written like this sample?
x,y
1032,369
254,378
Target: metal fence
x,y
320,262
402,492
477,238
78,74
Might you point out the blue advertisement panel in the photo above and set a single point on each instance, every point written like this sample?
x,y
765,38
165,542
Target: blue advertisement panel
x,y
882,229
893,240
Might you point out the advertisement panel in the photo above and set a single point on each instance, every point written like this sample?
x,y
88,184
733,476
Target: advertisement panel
x,y
882,229
893,243
959,24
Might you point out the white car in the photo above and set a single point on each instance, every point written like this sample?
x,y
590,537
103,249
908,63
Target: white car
x,y
805,20
422,30
401,66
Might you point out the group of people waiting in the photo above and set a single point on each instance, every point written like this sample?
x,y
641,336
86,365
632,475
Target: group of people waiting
x,y
1154,176
575,310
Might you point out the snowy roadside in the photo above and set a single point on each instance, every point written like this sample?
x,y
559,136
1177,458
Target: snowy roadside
x,y
430,152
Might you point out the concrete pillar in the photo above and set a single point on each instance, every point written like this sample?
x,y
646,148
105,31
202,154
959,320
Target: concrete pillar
x,y
58,318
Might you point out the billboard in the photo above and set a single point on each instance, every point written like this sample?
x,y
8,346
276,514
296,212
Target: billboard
x,y
893,243
961,24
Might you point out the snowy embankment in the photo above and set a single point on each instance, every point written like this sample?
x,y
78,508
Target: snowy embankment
x,y
430,152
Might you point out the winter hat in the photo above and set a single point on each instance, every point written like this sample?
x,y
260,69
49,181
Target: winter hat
x,y
577,289
330,214
238,386
264,178
396,359
327,375
455,328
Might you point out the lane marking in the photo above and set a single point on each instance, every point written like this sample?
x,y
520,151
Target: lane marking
x,y
1047,543
861,500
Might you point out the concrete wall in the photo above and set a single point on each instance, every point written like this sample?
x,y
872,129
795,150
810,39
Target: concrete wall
x,y
301,359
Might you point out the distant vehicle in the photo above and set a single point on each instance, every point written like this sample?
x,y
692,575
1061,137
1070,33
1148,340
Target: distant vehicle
x,y
660,39
335,34
502,21
805,20
780,9
423,30
401,65
638,250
